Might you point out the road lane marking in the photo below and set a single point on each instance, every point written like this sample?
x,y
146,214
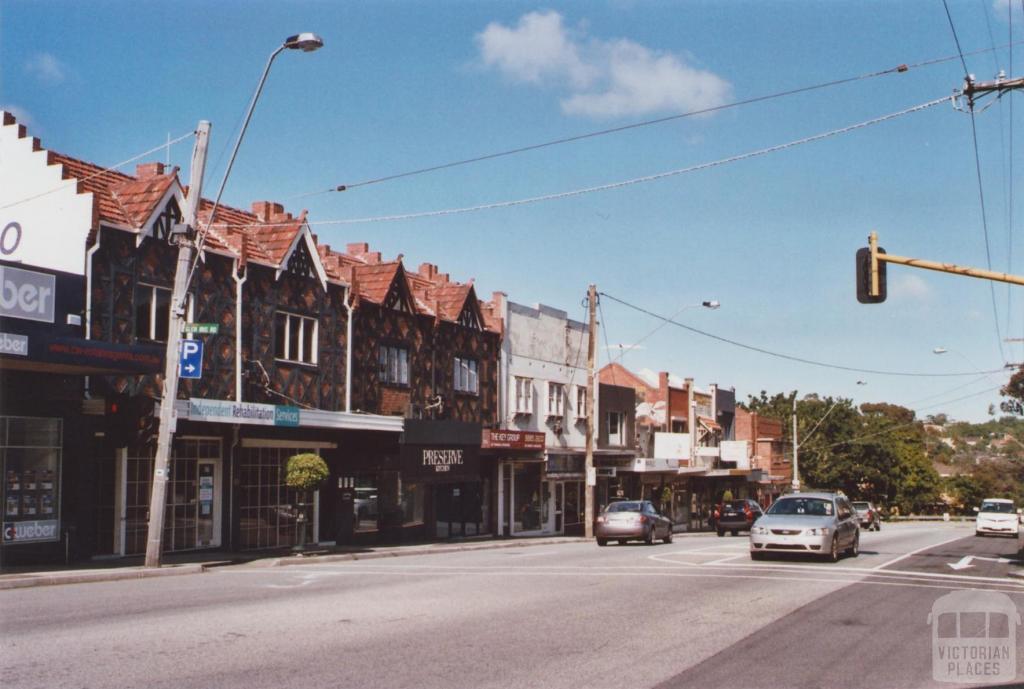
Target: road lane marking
x,y
915,552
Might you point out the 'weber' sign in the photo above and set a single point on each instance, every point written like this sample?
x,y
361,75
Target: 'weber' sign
x,y
26,294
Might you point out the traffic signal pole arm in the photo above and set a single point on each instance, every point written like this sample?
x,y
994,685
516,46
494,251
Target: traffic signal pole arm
x,y
871,271
940,267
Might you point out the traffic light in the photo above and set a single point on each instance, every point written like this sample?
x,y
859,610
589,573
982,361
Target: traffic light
x,y
864,265
121,419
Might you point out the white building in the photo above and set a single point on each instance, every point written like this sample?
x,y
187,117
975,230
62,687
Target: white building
x,y
543,373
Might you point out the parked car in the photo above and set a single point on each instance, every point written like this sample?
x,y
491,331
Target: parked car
x,y
807,523
736,515
868,515
997,516
365,504
627,520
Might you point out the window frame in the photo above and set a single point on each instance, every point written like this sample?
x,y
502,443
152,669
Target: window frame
x,y
154,309
284,340
556,399
523,395
393,365
466,375
618,437
581,401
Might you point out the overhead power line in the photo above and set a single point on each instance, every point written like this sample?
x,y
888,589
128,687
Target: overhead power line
x,y
166,144
636,125
637,180
789,357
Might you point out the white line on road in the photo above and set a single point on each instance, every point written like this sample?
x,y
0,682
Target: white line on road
x,y
915,552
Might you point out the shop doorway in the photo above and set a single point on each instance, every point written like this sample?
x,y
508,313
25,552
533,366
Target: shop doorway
x,y
458,509
193,510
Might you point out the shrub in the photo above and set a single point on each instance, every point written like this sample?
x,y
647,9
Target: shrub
x,y
306,471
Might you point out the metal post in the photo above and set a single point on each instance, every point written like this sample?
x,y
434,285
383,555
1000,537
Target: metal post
x,y
588,512
796,456
179,297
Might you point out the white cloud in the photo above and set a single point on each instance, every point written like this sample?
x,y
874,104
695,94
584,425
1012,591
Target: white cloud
x,y
46,68
603,78
910,286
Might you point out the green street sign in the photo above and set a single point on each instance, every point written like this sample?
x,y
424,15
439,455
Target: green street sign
x,y
202,328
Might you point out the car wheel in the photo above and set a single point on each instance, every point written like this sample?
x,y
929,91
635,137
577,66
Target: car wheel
x,y
721,532
602,541
833,553
668,536
649,536
622,541
854,550
735,532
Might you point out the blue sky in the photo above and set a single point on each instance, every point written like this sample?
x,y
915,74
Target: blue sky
x,y
401,86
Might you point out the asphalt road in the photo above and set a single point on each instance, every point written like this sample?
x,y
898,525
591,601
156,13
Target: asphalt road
x,y
696,613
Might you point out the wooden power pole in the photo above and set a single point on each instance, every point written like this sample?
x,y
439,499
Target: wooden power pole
x,y
179,298
591,474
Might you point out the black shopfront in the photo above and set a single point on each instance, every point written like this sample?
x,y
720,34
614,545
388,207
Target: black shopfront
x,y
441,461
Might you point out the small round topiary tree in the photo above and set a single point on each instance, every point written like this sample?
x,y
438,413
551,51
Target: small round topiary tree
x,y
305,472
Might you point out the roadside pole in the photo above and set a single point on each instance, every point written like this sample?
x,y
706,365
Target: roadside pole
x,y
796,459
184,235
591,480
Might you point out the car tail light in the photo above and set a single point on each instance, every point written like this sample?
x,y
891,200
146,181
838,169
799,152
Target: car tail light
x,y
748,513
718,515
643,519
870,514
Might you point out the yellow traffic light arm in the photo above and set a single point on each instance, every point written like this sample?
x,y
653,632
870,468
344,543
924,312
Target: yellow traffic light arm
x,y
932,265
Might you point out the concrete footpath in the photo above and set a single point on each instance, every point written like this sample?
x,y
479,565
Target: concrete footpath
x,y
198,562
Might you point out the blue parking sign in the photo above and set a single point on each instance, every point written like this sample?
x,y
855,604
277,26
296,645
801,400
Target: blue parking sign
x,y
190,363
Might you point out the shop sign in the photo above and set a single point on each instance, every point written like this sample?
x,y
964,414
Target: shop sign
x,y
512,440
644,464
26,294
28,532
441,460
13,344
252,413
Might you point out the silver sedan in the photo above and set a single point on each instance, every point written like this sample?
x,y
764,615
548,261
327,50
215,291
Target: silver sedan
x,y
628,520
807,523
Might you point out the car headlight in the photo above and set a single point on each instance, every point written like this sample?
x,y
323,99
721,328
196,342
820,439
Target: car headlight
x,y
759,531
821,531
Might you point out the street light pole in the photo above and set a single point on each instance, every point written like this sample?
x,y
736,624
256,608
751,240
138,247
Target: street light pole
x,y
306,42
796,457
589,471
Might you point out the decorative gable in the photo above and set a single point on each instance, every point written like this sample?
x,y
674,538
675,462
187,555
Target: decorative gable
x,y
399,297
302,258
165,220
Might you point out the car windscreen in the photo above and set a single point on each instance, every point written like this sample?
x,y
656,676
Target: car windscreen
x,y
623,507
1004,507
809,507
737,505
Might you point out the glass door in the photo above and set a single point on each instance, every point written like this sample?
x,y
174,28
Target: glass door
x,y
559,506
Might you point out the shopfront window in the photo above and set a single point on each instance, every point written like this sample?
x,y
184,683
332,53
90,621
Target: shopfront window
x,y
31,449
269,511
527,496
367,502
411,497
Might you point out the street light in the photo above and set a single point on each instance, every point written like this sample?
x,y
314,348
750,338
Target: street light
x,y
306,42
711,304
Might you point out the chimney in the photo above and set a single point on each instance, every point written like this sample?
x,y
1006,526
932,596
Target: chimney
x,y
266,210
428,270
357,249
148,170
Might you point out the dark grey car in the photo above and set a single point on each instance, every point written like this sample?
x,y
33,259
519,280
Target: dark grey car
x,y
630,520
736,515
868,515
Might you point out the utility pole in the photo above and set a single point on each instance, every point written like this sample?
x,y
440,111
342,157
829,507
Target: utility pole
x,y
184,236
591,479
796,456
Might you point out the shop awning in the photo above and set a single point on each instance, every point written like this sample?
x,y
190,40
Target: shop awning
x,y
709,423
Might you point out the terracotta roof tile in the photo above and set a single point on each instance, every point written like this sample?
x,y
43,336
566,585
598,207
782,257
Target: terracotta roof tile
x,y
94,179
138,198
